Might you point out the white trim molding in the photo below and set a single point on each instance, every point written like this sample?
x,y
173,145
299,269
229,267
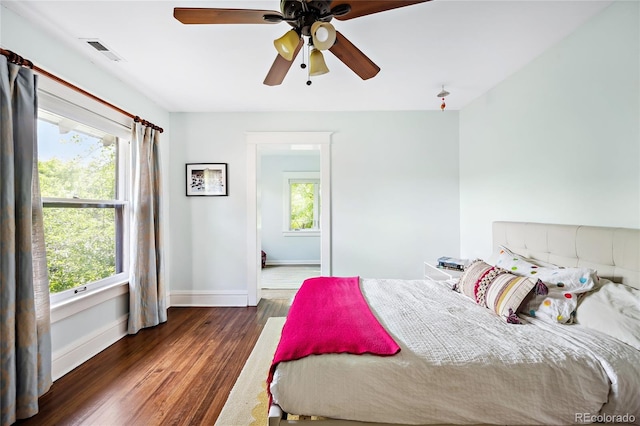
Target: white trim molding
x,y
302,233
315,262
71,356
257,143
218,298
86,301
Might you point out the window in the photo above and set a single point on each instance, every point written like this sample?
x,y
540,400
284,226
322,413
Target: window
x,y
82,174
302,203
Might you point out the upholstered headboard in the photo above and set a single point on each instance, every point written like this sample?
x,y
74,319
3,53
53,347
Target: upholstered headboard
x,y
613,252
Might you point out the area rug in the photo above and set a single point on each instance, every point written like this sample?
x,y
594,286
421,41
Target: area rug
x,y
247,404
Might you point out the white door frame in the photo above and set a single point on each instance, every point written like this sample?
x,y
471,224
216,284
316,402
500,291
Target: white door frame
x,y
261,141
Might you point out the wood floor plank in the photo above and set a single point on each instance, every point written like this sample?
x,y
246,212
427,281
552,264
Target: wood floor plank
x,y
178,373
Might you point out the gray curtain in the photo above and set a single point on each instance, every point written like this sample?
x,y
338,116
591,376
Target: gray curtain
x,y
147,295
25,330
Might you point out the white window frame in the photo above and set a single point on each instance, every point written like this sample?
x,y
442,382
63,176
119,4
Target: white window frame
x,y
93,117
300,177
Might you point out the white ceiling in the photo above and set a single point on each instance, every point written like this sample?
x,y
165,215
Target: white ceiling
x,y
467,46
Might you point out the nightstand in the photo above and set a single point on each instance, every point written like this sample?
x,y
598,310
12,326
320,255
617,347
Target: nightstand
x,y
434,272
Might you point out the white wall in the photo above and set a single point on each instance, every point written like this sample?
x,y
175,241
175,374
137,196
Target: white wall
x,y
283,249
394,178
80,330
395,193
559,140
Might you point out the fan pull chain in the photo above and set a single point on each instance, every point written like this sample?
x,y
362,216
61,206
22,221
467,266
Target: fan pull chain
x,y
303,65
309,60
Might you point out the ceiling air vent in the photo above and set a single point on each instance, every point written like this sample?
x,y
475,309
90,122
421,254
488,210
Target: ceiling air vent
x,y
100,47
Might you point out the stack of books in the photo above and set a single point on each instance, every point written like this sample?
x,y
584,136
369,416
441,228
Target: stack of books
x,y
452,263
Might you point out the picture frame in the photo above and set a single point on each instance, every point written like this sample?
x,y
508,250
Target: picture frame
x,y
206,179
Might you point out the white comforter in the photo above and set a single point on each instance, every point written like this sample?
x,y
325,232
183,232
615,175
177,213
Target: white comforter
x,y
461,364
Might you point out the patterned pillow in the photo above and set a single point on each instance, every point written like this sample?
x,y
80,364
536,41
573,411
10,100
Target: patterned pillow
x,y
495,289
555,300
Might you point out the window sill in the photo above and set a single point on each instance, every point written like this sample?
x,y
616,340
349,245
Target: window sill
x,y
302,233
69,307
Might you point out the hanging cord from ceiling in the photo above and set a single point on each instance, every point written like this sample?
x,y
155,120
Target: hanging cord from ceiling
x,y
443,94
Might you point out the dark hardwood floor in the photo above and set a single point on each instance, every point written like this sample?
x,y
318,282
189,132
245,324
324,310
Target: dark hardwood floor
x,y
178,373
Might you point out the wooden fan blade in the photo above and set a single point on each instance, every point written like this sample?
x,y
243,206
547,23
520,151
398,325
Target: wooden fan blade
x,y
352,57
280,68
196,15
362,8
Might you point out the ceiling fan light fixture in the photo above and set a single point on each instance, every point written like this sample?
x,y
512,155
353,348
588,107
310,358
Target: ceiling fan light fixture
x,y
287,44
323,35
317,66
310,20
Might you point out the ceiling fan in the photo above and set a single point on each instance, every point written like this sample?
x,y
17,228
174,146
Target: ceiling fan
x,y
309,18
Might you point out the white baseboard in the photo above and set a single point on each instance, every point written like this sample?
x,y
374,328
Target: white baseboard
x,y
292,262
71,356
220,298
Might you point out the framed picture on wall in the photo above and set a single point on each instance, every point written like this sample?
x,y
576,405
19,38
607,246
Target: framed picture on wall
x,y
207,179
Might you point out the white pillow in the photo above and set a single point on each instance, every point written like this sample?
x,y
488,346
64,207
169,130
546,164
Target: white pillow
x,y
557,299
614,309
495,255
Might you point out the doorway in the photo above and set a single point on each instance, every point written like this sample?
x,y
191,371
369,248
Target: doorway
x,y
257,144
289,188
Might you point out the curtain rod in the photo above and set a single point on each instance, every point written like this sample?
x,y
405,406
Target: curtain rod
x,y
19,60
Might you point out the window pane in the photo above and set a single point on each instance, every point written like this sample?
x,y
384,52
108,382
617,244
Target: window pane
x,y
84,239
302,196
82,245
75,161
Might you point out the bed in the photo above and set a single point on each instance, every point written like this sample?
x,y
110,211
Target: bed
x,y
461,363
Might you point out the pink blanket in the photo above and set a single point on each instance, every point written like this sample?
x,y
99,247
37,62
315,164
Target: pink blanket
x,y
330,315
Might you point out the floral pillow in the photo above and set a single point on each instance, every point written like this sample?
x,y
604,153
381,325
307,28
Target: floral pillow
x,y
557,288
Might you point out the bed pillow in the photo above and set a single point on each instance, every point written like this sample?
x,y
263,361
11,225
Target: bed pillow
x,y
495,289
613,309
502,250
557,289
